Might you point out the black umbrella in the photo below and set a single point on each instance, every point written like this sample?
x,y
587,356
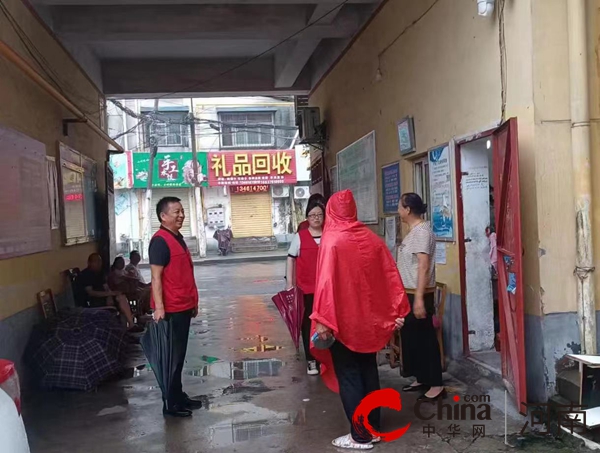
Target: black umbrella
x,y
158,346
74,358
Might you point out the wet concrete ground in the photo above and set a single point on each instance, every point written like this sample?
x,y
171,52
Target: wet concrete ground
x,y
257,395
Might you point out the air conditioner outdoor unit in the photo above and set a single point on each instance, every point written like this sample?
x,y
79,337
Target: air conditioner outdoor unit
x,y
280,191
301,193
308,121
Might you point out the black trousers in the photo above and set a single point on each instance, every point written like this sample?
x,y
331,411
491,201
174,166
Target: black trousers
x,y
420,348
306,321
358,376
180,323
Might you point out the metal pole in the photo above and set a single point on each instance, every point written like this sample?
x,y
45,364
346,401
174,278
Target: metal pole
x,y
146,233
582,177
201,232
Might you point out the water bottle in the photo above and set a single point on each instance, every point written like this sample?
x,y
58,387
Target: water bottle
x,y
322,344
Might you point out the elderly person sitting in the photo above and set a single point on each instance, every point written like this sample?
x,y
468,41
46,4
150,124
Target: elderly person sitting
x,y
92,291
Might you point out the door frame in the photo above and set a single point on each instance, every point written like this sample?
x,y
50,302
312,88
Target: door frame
x,y
460,237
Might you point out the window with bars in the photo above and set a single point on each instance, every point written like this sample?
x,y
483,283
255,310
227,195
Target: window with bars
x,y
421,182
247,129
171,132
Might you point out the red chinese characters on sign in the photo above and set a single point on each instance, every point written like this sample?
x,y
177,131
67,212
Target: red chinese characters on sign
x,y
243,168
255,188
74,197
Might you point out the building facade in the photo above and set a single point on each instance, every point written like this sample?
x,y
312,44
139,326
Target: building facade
x,y
260,214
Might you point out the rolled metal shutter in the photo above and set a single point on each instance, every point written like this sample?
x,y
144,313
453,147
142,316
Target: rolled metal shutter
x,y
184,195
251,215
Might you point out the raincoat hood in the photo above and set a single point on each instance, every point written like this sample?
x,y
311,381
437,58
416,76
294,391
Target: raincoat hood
x,y
341,211
359,292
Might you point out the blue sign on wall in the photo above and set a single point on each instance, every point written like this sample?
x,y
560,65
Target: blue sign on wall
x,y
390,179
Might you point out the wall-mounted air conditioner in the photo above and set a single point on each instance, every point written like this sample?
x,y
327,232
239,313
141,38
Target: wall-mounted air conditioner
x,y
301,192
280,191
308,121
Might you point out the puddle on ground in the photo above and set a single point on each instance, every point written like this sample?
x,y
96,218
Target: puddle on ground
x,y
251,422
239,370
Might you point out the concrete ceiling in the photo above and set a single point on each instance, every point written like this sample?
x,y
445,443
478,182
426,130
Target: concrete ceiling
x,y
135,48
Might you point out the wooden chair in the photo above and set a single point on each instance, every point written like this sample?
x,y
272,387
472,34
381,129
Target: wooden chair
x,y
395,344
48,305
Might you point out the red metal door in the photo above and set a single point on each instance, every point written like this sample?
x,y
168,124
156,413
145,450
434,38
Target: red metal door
x,y
510,270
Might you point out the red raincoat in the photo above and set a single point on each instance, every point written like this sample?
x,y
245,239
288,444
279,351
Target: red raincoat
x,y
359,292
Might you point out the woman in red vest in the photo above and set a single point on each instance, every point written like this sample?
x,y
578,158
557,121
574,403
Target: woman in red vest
x,y
302,269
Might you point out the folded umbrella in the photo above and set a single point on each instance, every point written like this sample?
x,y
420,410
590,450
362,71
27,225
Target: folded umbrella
x,y
158,348
290,304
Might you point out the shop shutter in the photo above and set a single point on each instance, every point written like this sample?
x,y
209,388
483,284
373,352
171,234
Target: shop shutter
x,y
184,195
251,215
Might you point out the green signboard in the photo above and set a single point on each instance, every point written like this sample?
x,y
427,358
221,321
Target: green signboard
x,y
170,170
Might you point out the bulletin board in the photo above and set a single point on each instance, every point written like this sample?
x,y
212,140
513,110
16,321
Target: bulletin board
x,y
25,220
78,196
357,172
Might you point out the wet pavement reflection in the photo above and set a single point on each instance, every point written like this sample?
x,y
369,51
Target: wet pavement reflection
x,y
253,384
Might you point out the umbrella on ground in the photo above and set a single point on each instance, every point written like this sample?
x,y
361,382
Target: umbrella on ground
x,y
157,346
291,307
75,358
104,328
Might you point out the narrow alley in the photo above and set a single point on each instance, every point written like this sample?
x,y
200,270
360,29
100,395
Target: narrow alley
x,y
257,395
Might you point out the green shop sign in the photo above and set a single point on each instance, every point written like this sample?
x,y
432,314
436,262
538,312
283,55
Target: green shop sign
x,y
170,170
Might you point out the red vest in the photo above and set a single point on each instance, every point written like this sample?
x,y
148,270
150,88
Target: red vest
x,y
178,283
306,263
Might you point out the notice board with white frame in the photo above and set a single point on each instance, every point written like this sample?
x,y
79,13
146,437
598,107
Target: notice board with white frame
x,y
357,172
25,226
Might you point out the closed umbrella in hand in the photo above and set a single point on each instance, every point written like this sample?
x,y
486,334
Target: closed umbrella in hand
x,y
290,304
157,345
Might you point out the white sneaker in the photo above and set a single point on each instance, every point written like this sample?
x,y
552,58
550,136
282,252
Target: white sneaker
x,y
348,443
312,368
376,440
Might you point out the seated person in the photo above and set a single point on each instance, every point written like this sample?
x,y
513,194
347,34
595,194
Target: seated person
x,y
132,269
94,292
143,289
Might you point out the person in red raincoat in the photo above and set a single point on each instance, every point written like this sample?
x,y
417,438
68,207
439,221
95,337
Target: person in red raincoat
x,y
360,300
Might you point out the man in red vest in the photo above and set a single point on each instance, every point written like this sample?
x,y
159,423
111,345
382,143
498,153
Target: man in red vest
x,y
174,295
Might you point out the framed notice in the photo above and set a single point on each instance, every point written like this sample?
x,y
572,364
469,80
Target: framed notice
x,y
406,135
357,172
440,181
390,182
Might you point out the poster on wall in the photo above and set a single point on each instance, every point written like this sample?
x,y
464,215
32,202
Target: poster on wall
x,y
440,181
406,135
121,166
25,224
390,181
390,233
357,172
